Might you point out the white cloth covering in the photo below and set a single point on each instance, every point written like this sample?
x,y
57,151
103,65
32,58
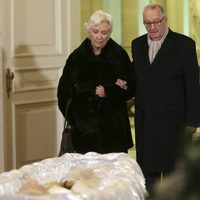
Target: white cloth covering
x,y
96,177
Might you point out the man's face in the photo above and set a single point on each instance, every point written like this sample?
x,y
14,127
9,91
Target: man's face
x,y
155,23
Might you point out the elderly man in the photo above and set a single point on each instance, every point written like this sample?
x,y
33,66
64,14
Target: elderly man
x,y
167,98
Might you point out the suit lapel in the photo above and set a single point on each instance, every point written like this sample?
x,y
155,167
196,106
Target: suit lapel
x,y
146,52
167,46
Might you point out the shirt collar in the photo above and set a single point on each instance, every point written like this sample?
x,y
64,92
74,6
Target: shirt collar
x,y
161,40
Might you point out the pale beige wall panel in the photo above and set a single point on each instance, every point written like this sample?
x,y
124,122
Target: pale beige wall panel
x,y
195,24
129,23
32,144
37,27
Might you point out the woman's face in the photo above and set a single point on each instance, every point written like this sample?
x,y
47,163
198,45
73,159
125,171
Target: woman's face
x,y
99,35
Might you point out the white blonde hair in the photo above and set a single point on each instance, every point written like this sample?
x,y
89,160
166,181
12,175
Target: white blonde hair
x,y
153,6
97,18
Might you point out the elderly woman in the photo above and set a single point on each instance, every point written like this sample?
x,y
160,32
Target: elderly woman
x,y
96,105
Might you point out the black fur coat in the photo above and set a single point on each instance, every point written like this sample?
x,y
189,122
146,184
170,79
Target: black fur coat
x,y
98,124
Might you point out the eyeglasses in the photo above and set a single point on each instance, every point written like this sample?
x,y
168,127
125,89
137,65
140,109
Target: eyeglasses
x,y
155,23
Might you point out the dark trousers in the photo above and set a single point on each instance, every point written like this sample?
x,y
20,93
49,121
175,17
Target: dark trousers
x,y
150,180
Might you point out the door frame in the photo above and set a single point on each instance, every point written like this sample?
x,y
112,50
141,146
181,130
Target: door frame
x,y
73,40
1,96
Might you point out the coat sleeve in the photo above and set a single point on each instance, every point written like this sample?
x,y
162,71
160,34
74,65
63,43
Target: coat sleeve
x,y
192,85
125,73
65,87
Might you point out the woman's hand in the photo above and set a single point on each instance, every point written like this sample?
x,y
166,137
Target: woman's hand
x,y
121,83
100,91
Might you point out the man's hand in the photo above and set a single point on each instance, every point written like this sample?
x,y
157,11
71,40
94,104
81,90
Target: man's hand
x,y
121,83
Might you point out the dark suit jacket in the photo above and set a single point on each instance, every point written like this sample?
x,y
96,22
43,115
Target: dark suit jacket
x,y
167,98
